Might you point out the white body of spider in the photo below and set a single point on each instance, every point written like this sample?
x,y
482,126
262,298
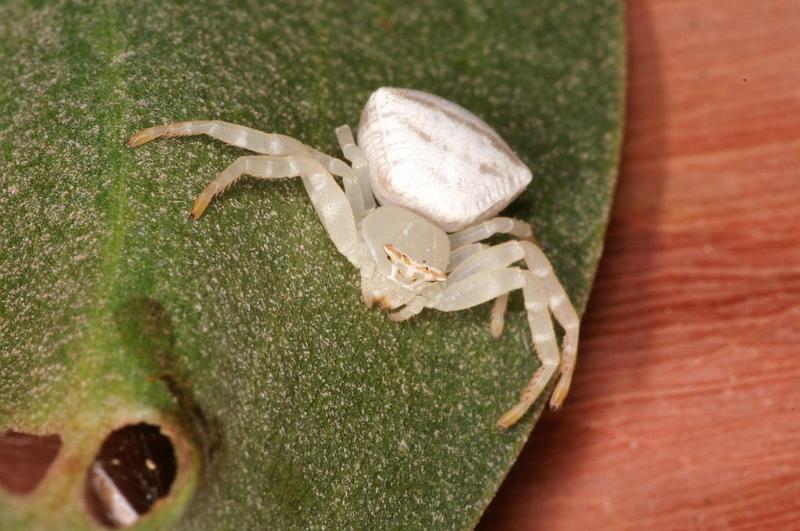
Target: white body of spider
x,y
441,175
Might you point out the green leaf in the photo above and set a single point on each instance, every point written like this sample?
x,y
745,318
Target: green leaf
x,y
242,335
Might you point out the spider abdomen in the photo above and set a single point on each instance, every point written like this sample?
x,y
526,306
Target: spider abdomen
x,y
434,157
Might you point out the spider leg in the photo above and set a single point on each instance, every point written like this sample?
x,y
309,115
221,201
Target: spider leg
x,y
462,253
489,284
565,314
479,288
358,160
328,199
474,257
485,229
352,187
411,309
260,142
544,341
497,318
233,134
487,259
507,253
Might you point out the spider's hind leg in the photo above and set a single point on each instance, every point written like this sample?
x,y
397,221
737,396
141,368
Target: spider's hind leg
x,y
563,311
544,340
497,319
476,257
489,284
486,229
358,160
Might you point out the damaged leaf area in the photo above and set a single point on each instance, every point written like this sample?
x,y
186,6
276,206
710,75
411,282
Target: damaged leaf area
x,y
225,373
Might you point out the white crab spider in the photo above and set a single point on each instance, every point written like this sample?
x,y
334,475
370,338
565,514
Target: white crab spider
x,y
435,168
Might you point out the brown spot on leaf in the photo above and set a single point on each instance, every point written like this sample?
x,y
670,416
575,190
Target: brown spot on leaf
x,y
25,459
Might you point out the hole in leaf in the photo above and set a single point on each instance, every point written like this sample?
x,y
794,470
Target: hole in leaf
x,y
134,468
25,458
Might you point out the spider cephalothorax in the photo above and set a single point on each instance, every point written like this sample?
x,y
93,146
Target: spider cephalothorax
x,y
441,175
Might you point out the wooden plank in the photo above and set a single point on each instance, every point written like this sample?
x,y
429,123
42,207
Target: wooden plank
x,y
685,410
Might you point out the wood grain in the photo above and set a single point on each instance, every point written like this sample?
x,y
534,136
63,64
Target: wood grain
x,y
685,410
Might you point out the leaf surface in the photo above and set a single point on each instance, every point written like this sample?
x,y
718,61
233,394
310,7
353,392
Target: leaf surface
x,y
243,334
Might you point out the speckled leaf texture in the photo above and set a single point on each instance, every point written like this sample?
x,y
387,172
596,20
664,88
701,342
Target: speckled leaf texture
x,y
243,335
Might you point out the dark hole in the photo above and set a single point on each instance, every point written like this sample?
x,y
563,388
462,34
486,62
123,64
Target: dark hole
x,y
133,469
25,458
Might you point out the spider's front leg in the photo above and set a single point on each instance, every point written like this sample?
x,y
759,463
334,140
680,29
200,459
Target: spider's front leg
x,y
233,134
263,143
328,199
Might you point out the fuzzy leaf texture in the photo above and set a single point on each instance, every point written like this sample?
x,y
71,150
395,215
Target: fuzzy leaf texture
x,y
243,335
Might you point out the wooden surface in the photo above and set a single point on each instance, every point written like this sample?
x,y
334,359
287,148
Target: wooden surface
x,y
685,409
